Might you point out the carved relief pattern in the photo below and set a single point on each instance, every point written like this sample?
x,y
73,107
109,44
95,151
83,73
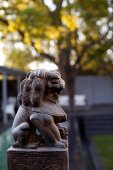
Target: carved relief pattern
x,y
35,163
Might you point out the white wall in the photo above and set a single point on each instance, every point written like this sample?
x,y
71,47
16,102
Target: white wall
x,y
98,89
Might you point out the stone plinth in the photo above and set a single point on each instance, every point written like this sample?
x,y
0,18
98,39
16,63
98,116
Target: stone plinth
x,y
50,158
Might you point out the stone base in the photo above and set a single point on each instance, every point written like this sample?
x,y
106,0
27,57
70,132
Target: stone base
x,y
37,159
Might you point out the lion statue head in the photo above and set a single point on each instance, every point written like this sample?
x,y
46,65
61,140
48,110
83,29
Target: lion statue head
x,y
40,85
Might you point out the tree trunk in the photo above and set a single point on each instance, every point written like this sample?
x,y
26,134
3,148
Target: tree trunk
x,y
70,79
68,74
70,83
75,145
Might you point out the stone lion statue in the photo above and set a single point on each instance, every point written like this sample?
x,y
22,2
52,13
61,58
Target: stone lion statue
x,y
38,120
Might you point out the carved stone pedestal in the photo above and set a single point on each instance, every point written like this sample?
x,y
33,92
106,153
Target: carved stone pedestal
x,y
50,158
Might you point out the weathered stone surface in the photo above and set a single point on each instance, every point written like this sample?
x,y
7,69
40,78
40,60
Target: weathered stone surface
x,y
39,110
40,138
50,158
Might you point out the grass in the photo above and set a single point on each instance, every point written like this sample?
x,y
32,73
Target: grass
x,y
104,144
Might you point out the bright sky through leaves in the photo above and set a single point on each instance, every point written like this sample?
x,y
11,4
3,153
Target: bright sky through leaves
x,y
2,56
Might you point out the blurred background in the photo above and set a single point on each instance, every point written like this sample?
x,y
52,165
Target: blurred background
x,y
76,38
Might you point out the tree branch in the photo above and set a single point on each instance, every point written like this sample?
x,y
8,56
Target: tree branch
x,y
44,55
91,44
87,47
48,56
4,21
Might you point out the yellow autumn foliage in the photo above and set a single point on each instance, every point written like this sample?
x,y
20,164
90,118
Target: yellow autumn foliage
x,y
94,36
62,29
12,26
52,33
90,65
27,39
63,46
23,27
38,45
21,6
70,21
34,31
4,31
73,42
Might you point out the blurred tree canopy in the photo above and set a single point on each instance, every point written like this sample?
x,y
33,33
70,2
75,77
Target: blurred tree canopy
x,y
77,35
74,34
18,58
